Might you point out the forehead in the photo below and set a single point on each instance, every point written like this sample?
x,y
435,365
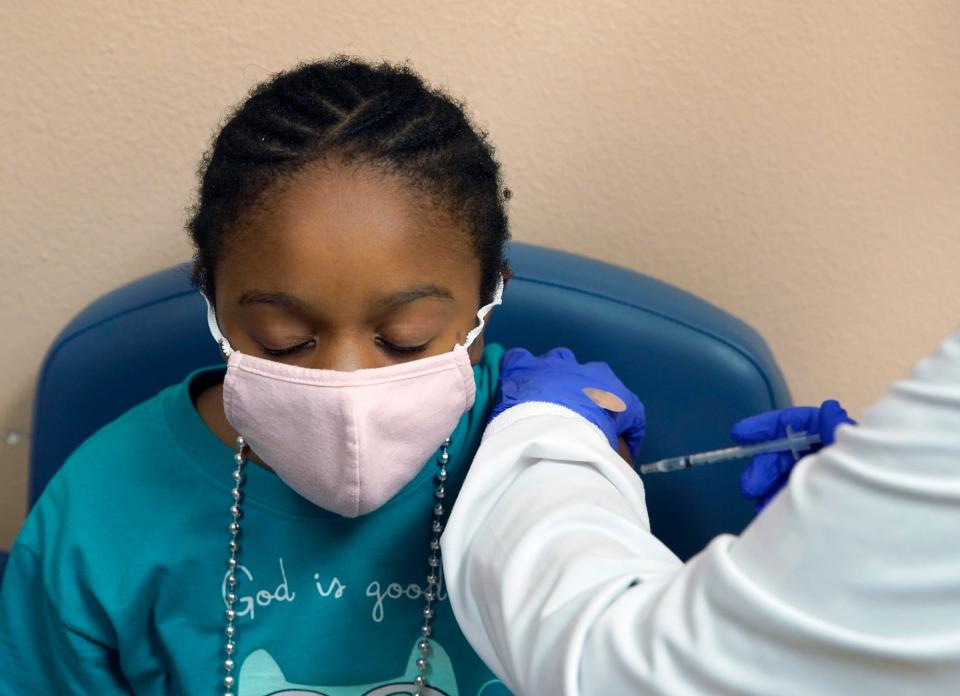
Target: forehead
x,y
347,231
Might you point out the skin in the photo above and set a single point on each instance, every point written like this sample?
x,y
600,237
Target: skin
x,y
351,267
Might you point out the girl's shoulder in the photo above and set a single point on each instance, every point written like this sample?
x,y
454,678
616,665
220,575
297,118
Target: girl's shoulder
x,y
135,460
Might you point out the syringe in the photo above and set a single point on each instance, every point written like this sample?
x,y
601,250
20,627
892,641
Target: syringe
x,y
794,442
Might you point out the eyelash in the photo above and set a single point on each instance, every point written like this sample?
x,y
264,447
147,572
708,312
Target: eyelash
x,y
402,350
279,353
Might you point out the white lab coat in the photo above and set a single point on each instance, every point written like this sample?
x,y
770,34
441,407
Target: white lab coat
x,y
848,583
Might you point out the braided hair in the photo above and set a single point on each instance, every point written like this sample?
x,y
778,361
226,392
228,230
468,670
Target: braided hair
x,y
382,115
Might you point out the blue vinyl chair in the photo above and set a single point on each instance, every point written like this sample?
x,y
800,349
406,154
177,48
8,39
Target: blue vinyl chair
x,y
697,369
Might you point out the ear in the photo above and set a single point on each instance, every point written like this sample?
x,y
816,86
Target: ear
x,y
260,673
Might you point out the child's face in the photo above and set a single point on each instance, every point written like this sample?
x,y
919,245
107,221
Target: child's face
x,y
345,267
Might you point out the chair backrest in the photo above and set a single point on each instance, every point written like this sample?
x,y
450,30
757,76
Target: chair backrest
x,y
697,369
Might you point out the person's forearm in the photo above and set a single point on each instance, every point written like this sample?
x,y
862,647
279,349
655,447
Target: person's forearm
x,y
849,581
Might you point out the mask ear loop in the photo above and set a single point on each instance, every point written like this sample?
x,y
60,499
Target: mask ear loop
x,y
482,315
214,327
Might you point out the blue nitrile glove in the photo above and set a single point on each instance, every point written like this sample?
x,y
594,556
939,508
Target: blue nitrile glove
x,y
768,473
558,378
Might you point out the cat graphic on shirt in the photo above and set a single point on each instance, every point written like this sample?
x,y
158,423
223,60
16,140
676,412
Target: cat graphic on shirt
x,y
261,675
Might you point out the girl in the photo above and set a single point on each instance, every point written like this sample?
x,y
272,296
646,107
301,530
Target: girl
x,y
272,528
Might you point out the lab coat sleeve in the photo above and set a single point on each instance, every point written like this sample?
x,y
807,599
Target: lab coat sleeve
x,y
849,581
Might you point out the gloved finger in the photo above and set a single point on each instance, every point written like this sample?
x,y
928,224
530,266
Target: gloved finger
x,y
832,414
634,405
634,437
759,428
561,353
765,472
605,378
772,424
515,358
632,410
635,428
598,368
800,419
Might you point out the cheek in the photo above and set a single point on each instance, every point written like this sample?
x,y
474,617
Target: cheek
x,y
475,351
452,332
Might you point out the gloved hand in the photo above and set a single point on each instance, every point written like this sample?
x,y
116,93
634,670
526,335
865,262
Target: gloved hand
x,y
768,473
558,378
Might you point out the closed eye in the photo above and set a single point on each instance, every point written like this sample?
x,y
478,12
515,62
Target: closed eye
x,y
280,352
402,350
386,345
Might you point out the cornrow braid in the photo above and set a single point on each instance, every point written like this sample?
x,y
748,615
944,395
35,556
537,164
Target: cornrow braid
x,y
381,114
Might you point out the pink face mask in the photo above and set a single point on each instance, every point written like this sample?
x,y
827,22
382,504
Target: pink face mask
x,y
348,441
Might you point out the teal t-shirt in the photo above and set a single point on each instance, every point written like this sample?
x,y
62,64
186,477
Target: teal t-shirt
x,y
117,579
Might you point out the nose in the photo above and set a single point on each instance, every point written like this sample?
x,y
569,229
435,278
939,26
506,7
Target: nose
x,y
344,354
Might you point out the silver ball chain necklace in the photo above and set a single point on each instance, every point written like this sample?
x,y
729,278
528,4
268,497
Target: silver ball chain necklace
x,y
433,572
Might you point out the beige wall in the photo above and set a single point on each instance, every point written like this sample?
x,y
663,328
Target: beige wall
x,y
795,163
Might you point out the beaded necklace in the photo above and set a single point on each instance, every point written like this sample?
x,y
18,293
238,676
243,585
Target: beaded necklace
x,y
430,595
